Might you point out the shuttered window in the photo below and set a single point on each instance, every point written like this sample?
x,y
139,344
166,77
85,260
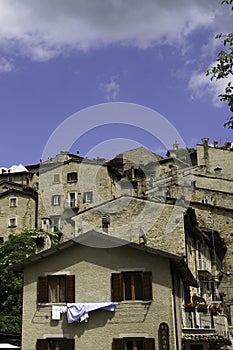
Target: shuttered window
x,y
133,344
55,344
135,285
56,289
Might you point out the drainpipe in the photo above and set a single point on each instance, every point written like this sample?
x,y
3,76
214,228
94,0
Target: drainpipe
x,y
174,308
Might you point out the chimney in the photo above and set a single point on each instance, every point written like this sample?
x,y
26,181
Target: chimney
x,y
215,144
205,141
227,146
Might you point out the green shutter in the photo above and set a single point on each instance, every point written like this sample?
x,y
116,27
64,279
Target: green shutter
x,y
116,287
41,344
42,289
147,285
118,344
70,289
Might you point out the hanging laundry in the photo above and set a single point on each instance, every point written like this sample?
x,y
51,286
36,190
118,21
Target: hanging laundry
x,y
78,312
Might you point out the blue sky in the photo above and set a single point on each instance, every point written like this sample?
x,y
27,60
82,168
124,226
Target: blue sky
x,y
58,57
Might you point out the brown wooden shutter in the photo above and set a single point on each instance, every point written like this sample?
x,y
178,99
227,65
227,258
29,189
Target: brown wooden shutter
x,y
41,344
147,285
42,289
149,344
118,344
69,344
70,289
117,287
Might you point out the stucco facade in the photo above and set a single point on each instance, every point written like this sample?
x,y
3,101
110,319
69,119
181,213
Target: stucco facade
x,y
92,268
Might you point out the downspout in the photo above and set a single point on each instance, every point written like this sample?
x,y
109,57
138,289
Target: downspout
x,y
174,308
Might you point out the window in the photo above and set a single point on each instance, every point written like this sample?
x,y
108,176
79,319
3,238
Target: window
x,y
134,344
55,223
56,289
73,200
131,285
105,223
56,199
56,178
12,222
13,202
1,240
55,344
10,178
72,177
88,197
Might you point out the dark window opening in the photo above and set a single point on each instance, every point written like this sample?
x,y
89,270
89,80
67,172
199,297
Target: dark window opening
x,y
105,223
72,177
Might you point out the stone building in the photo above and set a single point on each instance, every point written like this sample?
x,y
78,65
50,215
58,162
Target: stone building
x,y
18,201
69,184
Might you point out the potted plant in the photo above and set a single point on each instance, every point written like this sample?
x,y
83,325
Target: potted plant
x,y
202,307
216,309
189,307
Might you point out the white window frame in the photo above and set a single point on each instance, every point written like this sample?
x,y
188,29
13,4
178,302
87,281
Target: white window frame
x,y
75,199
56,199
9,221
86,195
11,200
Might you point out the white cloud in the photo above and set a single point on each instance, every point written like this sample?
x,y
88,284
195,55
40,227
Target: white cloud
x,y
43,29
5,65
111,90
201,86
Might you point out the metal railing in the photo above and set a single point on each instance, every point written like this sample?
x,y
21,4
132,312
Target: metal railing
x,y
204,322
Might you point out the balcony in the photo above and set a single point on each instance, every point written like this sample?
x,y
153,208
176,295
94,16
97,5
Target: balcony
x,y
196,320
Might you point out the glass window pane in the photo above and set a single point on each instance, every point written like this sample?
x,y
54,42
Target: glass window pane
x,y
62,289
138,285
127,282
53,288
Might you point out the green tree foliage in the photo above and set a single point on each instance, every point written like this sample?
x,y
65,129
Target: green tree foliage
x,y
18,247
224,68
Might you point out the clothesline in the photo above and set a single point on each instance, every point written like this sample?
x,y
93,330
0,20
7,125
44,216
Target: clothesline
x,y
79,312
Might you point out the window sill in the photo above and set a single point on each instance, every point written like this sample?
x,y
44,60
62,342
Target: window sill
x,y
72,181
51,304
144,302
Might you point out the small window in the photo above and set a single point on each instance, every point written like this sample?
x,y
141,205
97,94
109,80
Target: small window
x,y
56,199
56,289
12,222
72,177
134,344
56,178
105,223
10,177
55,344
13,202
73,200
88,197
1,240
55,220
132,285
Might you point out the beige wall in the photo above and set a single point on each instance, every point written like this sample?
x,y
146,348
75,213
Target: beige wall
x,y
24,212
91,178
162,223
93,268
211,158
